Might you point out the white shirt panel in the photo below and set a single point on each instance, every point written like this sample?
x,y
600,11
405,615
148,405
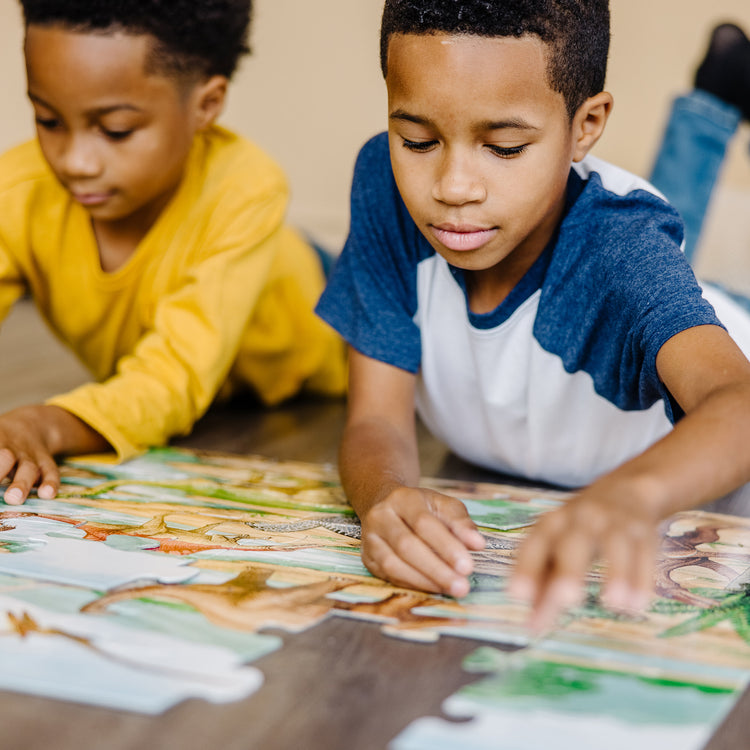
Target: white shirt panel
x,y
498,399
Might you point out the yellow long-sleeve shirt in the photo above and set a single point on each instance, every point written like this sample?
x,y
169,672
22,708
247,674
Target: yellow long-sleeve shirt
x,y
218,295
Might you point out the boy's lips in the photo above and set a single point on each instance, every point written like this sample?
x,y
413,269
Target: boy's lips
x,y
462,238
91,199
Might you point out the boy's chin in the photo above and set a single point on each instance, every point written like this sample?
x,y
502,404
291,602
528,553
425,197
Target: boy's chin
x,y
468,260
111,212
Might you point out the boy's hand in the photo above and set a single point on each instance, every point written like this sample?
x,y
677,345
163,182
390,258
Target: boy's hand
x,y
420,539
554,559
26,455
30,437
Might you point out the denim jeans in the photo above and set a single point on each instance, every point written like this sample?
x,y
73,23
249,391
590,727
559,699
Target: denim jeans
x,y
691,154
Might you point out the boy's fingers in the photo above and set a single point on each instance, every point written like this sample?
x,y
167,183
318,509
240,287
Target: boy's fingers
x,y
436,538
642,575
629,559
49,481
382,559
618,553
455,516
571,557
561,594
26,475
7,462
562,587
533,562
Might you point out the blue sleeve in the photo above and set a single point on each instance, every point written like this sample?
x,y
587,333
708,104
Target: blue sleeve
x,y
639,292
371,296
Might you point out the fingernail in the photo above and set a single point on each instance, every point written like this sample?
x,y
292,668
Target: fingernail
x,y
540,625
479,540
616,596
13,496
569,593
463,566
520,588
459,588
46,491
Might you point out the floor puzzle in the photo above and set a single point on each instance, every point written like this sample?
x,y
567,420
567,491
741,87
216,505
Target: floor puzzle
x,y
151,581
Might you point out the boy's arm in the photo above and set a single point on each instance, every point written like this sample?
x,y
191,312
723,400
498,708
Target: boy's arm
x,y
173,372
616,517
31,435
159,389
413,537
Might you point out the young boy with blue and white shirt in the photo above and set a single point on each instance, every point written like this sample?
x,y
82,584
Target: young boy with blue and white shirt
x,y
540,317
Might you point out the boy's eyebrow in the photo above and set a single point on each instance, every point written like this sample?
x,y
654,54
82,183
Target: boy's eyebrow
x,y
98,111
511,123
116,108
400,114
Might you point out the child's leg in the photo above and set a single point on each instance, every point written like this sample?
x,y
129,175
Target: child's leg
x,y
690,157
725,69
700,127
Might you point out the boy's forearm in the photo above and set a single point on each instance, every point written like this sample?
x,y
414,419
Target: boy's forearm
x,y
67,434
616,517
376,458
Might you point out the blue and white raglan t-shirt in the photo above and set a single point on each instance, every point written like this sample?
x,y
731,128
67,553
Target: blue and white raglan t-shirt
x,y
559,382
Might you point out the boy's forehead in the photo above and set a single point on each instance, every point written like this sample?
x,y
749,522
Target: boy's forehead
x,y
75,47
101,61
484,55
103,49
439,69
78,73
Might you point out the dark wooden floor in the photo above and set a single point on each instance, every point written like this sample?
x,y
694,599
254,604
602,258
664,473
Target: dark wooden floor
x,y
340,686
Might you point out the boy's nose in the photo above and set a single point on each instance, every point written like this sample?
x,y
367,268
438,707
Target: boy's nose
x,y
81,158
458,182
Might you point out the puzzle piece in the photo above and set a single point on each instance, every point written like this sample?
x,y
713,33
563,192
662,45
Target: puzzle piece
x,y
209,549
526,702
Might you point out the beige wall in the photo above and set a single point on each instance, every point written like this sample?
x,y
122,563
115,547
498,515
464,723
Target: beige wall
x,y
312,91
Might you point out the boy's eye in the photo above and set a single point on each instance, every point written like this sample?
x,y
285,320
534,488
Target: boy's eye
x,y
48,123
506,152
117,135
419,146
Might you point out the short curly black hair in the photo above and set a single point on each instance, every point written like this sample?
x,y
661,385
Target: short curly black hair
x,y
193,37
577,32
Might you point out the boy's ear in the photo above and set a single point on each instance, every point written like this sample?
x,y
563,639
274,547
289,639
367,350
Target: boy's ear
x,y
209,100
589,122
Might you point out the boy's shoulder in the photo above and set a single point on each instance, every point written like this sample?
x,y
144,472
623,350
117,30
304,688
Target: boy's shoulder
x,y
376,204
614,204
229,160
375,150
372,170
616,217
613,178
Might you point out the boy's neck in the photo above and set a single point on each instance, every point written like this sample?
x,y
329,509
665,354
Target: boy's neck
x,y
114,249
117,240
484,292
487,288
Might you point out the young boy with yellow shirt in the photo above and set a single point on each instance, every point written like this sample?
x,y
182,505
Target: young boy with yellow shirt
x,y
151,240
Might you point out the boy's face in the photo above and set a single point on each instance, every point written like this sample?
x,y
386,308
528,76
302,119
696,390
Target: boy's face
x,y
481,148
115,136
